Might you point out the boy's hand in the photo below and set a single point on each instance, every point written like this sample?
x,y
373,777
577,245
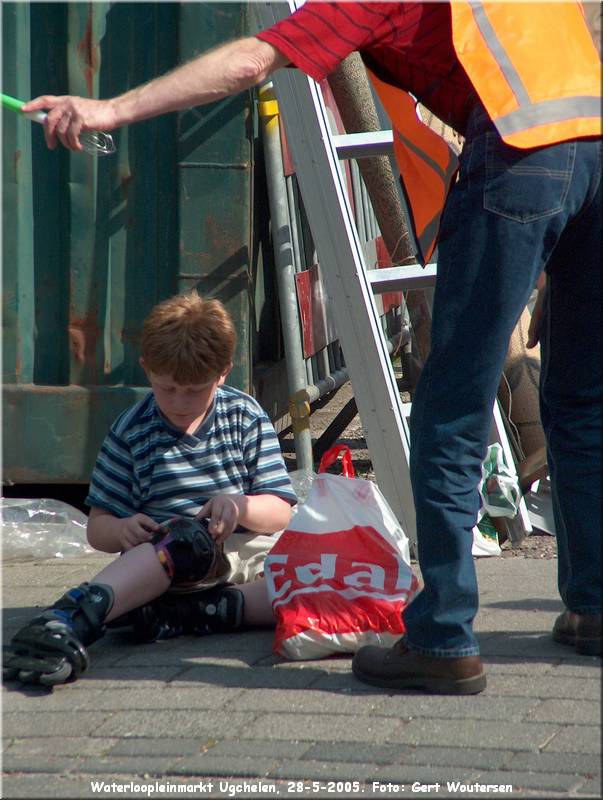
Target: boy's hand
x,y
136,530
224,512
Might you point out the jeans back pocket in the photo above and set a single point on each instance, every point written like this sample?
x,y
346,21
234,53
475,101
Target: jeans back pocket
x,y
526,185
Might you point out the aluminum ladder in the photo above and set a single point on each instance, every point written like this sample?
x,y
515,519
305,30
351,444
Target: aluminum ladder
x,y
349,284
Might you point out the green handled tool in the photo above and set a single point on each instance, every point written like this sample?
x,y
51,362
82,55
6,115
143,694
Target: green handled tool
x,y
95,143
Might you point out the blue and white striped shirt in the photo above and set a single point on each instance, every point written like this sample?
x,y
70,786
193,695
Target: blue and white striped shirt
x,y
148,466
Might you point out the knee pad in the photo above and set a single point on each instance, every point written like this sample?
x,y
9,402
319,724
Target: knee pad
x,y
186,549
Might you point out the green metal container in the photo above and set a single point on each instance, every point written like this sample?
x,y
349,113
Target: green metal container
x,y
90,245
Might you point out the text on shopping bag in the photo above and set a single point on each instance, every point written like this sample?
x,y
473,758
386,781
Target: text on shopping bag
x,y
352,562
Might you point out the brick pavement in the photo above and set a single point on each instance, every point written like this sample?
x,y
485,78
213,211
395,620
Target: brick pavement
x,y
220,716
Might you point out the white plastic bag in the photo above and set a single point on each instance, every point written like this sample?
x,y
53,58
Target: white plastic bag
x,y
499,488
500,494
339,577
42,528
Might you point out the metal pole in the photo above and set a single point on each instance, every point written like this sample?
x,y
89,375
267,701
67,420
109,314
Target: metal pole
x,y
299,406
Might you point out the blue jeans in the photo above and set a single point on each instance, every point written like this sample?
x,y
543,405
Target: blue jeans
x,y
511,214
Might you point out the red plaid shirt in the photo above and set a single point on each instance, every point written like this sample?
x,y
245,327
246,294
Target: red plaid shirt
x,y
407,44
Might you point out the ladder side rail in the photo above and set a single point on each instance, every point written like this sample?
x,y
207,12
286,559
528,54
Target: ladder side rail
x,y
349,290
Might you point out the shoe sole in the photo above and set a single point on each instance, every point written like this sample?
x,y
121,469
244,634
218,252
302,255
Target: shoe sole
x,y
473,685
585,647
588,647
564,638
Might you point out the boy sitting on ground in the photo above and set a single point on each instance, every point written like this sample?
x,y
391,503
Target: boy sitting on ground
x,y
186,486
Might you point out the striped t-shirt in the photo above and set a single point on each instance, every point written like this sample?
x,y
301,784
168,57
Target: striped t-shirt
x,y
148,466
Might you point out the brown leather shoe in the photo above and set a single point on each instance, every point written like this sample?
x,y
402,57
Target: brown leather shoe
x,y
582,631
398,667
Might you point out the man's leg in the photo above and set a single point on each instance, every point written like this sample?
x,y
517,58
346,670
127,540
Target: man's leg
x,y
502,221
571,410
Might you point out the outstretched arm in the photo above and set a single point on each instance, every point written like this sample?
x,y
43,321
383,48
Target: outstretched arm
x,y
224,71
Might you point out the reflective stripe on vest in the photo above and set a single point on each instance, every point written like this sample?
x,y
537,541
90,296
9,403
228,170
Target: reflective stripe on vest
x,y
534,66
426,162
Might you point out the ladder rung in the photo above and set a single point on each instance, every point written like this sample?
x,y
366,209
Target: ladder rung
x,y
363,145
396,279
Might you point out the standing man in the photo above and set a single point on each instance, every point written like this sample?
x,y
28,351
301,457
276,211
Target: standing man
x,y
521,83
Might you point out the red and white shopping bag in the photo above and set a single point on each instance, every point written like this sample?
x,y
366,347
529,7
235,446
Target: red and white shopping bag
x,y
339,577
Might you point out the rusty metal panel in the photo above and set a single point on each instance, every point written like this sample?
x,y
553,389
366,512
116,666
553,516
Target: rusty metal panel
x,y
214,164
90,245
17,199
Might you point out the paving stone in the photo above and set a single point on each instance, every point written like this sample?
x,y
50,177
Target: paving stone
x,y
20,724
355,752
335,663
576,739
345,682
544,781
546,686
142,766
309,700
224,766
574,763
473,757
147,746
24,763
406,775
580,712
71,746
409,706
248,678
504,665
52,573
408,755
158,724
325,771
252,748
46,786
115,700
339,727
528,645
585,667
26,601
119,676
507,623
591,788
199,649
479,734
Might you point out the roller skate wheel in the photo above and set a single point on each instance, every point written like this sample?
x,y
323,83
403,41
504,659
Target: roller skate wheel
x,y
28,676
60,676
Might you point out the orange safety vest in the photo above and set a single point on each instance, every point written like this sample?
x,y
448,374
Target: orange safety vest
x,y
537,72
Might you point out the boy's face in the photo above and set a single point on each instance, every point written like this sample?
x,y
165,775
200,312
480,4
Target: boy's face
x,y
183,405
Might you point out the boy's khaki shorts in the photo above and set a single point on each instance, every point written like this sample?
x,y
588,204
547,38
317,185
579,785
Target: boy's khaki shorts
x,y
244,562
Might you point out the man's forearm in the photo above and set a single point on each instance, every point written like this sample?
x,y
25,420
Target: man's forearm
x,y
227,70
